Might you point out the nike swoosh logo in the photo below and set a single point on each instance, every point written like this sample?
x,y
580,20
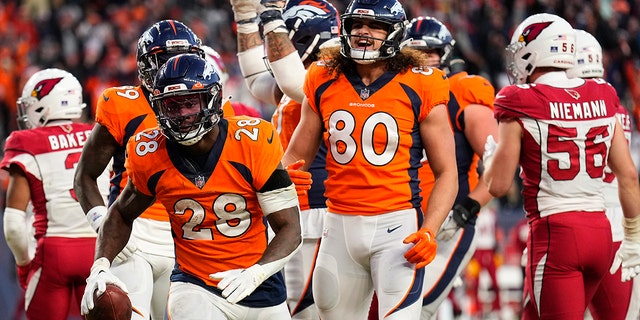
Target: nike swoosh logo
x,y
389,230
500,96
270,139
105,98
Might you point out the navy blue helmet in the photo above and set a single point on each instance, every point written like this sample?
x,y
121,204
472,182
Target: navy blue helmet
x,y
427,33
389,12
160,42
311,23
187,98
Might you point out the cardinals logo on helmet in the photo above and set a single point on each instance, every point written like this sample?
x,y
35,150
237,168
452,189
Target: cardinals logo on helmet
x,y
44,87
532,31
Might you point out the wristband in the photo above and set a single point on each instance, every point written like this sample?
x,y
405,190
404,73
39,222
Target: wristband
x,y
95,216
632,228
247,26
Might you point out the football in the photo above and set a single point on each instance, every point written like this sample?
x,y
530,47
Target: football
x,y
113,304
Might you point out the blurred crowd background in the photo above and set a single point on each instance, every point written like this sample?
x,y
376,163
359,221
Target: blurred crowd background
x,y
96,41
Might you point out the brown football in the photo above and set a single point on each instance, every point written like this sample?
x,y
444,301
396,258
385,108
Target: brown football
x,y
113,304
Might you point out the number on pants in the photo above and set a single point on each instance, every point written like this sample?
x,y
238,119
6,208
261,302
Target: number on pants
x,y
343,146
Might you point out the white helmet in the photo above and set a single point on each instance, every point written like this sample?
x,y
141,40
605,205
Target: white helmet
x,y
541,40
588,62
213,57
50,94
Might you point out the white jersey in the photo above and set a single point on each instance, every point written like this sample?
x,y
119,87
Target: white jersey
x,y
568,125
48,156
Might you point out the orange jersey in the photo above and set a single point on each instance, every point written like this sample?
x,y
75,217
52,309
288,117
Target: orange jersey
x,y
465,90
125,111
373,135
216,221
285,119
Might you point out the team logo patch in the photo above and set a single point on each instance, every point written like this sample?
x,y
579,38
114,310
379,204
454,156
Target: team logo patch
x,y
574,94
532,31
44,87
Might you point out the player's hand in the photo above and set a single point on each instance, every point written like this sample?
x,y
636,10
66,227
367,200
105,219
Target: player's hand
x,y
23,275
628,256
424,250
126,252
237,284
301,179
489,151
98,279
271,16
458,217
245,10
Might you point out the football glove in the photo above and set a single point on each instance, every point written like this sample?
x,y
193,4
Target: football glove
x,y
98,279
237,284
301,179
458,217
627,257
424,250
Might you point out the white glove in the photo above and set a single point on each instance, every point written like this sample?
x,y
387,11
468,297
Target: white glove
x,y
98,279
236,284
126,252
448,229
245,10
489,151
628,256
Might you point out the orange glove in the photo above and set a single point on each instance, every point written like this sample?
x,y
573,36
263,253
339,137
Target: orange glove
x,y
301,179
23,275
424,250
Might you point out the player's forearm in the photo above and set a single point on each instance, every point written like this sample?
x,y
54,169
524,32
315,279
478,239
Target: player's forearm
x,y
112,235
287,239
247,41
441,199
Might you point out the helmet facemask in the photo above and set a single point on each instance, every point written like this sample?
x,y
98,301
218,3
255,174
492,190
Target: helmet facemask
x,y
186,116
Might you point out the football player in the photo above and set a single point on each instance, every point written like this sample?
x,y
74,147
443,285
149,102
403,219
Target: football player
x,y
375,107
121,113
220,180
41,159
293,38
563,133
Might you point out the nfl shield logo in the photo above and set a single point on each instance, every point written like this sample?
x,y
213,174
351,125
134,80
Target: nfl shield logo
x,y
199,181
364,93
